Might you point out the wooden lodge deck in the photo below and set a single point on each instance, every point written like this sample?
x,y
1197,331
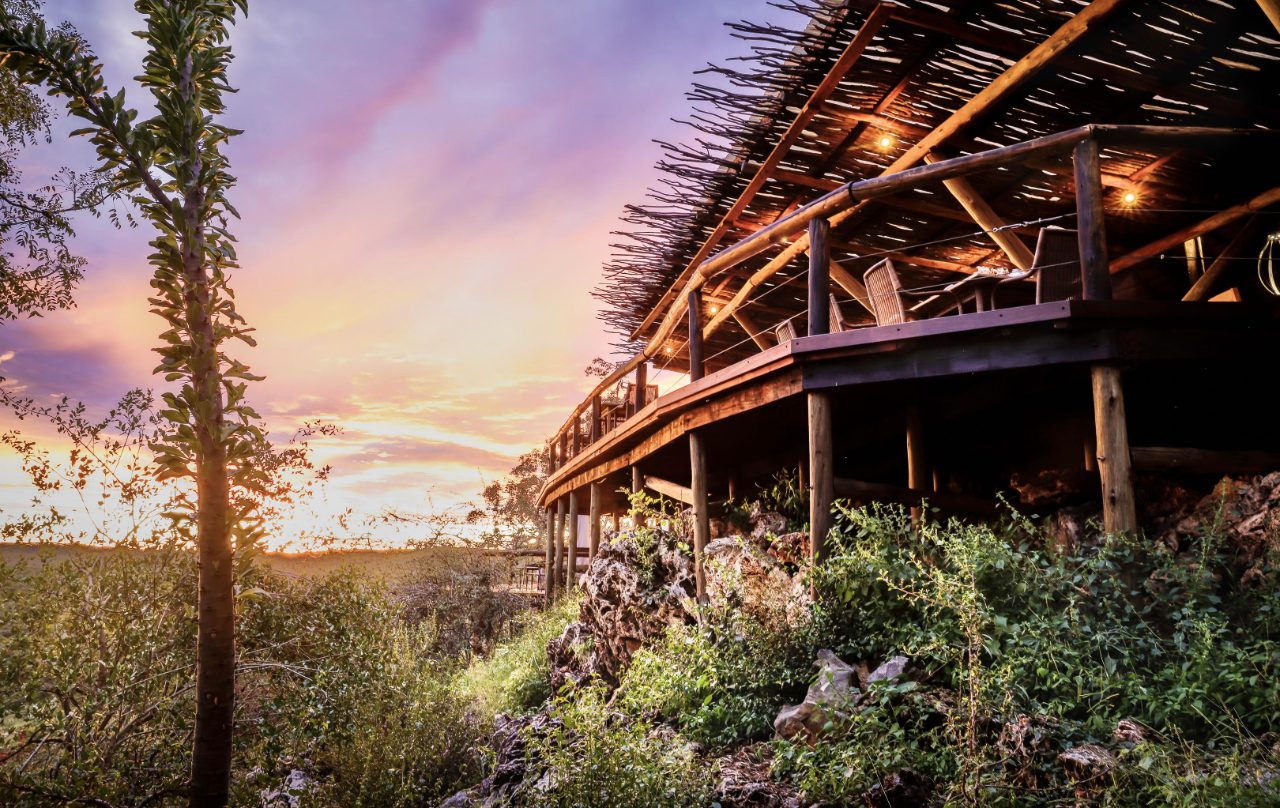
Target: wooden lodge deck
x,y
791,361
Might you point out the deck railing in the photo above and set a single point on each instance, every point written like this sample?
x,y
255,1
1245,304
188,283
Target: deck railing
x,y
805,230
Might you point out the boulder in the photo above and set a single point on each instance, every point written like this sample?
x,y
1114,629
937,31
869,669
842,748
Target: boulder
x,y
632,596
1245,512
743,780
1128,731
1089,766
828,701
894,668
766,523
741,575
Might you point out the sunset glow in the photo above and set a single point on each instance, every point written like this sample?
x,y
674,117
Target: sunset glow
x,y
427,193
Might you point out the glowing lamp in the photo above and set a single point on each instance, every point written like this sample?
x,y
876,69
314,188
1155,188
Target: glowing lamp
x,y
1129,198
886,141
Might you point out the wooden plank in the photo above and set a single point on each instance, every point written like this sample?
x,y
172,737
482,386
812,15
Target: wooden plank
x,y
870,28
1119,512
701,513
1091,232
1217,220
986,218
821,474
680,493
596,514
819,278
1203,461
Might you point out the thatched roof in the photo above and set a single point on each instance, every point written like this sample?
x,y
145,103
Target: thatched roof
x,y
1161,62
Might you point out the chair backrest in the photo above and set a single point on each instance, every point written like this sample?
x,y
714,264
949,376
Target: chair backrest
x,y
784,331
1057,265
882,290
837,315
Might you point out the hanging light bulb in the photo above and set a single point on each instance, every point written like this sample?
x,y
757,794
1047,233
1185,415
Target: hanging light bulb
x,y
1129,199
886,141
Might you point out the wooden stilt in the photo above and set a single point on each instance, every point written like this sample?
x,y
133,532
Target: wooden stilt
x,y
1119,513
637,480
557,581
733,487
1090,223
548,567
917,471
597,504
821,472
819,277
571,544
701,516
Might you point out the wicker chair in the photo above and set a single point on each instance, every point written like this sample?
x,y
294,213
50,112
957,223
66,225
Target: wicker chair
x,y
1056,267
784,331
888,299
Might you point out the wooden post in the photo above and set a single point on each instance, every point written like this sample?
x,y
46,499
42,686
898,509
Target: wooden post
x,y
548,568
642,383
577,435
819,277
701,516
1091,223
821,473
595,419
637,480
917,472
571,544
597,505
564,448
696,367
1119,513
556,581
733,487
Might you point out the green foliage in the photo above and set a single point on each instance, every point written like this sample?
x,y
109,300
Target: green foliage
x,y
723,681
786,496
596,757
97,676
1124,629
516,677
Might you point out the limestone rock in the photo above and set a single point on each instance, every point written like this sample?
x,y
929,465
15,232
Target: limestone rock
x,y
1129,731
766,523
741,575
631,597
894,668
1089,766
743,781
828,701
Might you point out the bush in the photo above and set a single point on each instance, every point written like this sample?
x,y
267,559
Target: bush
x,y
97,673
593,756
516,678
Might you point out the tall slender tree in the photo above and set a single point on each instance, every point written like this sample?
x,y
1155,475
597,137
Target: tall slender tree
x,y
172,167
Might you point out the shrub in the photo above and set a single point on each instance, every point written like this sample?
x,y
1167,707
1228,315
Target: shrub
x,y
593,756
516,677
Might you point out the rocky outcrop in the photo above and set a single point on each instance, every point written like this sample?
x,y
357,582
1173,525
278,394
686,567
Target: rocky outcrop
x,y
743,781
743,575
1244,512
632,596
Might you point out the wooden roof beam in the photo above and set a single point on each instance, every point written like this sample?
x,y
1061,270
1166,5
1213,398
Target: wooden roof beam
x,y
870,28
1021,71
986,218
748,325
1217,220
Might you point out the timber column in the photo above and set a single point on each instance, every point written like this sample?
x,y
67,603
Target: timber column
x,y
698,454
596,514
821,471
571,544
557,581
1111,430
548,567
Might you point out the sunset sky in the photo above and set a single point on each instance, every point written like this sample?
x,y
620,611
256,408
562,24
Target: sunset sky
x,y
427,190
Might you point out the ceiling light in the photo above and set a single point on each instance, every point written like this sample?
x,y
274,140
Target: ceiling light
x,y
886,141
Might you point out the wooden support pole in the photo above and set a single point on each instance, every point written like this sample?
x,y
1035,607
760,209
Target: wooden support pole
x,y
917,471
557,582
1119,513
596,430
571,544
548,568
1091,222
637,480
564,448
701,515
642,385
821,474
597,508
986,218
753,330
819,277
696,368
670,490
